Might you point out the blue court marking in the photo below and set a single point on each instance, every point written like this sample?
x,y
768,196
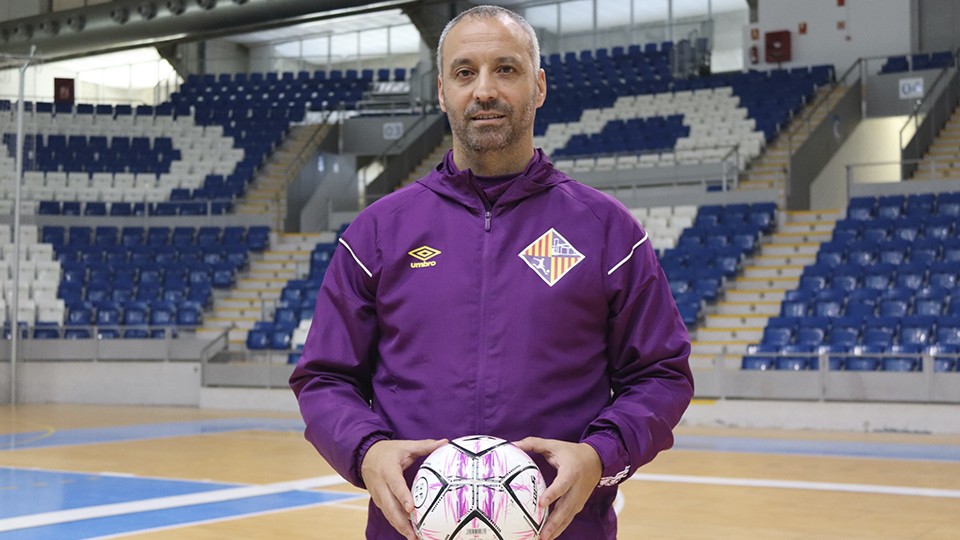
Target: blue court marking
x,y
73,437
753,445
25,492
143,521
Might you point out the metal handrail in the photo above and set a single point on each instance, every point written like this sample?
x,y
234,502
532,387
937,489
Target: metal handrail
x,y
807,119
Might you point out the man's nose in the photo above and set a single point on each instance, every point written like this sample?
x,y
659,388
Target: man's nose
x,y
486,88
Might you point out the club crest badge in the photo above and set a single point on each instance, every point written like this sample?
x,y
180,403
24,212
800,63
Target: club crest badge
x,y
551,256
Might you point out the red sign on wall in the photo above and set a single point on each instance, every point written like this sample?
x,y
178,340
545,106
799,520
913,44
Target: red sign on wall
x,y
777,47
63,90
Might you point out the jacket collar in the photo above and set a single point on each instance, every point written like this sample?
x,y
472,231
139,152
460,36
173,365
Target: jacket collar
x,y
447,181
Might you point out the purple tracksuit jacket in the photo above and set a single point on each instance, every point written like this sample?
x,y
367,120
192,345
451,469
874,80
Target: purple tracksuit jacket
x,y
546,314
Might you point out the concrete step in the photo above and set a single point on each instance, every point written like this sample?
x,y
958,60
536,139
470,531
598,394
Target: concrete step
x,y
780,260
261,284
754,295
794,216
230,313
800,237
748,308
230,322
707,347
773,272
775,283
807,226
731,334
734,321
286,254
785,249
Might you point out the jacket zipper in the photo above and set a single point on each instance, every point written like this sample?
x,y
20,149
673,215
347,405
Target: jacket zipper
x,y
486,220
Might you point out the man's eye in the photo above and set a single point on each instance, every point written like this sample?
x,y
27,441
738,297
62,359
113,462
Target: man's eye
x,y
462,73
507,69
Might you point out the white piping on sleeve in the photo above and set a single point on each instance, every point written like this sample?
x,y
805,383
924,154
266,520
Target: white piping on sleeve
x,y
627,258
354,255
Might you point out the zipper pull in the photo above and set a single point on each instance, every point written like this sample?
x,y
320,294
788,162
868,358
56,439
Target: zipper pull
x,y
486,220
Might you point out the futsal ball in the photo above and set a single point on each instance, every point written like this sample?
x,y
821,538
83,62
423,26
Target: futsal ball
x,y
478,488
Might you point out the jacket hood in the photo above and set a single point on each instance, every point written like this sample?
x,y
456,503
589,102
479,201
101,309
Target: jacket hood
x,y
448,181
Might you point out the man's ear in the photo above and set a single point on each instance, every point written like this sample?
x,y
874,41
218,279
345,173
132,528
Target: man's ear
x,y
541,87
443,106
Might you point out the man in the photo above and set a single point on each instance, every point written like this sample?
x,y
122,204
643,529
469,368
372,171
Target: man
x,y
495,296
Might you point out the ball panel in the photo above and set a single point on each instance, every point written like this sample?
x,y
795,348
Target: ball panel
x,y
478,488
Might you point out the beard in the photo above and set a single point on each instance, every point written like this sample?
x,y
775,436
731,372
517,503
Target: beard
x,y
479,139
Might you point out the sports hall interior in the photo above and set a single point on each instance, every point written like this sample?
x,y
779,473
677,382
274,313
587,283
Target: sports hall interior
x,y
175,175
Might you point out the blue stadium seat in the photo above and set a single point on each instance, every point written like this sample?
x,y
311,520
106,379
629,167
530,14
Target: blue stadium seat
x,y
760,357
836,355
945,357
865,358
259,337
797,357
906,357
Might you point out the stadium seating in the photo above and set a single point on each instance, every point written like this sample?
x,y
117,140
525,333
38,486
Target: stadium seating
x,y
881,293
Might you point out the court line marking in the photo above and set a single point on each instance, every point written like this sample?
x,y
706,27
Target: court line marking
x,y
799,484
210,521
165,503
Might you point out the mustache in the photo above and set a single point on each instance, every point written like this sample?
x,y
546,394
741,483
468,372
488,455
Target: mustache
x,y
486,107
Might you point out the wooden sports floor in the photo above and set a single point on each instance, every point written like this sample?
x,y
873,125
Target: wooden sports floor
x,y
69,472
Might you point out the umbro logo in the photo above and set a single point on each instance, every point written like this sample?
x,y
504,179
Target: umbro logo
x,y
423,254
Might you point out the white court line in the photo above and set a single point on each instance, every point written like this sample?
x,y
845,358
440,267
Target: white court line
x,y
164,503
794,484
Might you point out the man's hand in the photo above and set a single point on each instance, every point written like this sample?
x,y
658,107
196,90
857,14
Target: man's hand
x,y
578,472
382,472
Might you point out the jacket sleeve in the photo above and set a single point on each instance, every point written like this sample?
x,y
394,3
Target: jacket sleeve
x,y
648,351
332,381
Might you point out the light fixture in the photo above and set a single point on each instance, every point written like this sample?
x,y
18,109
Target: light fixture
x,y
240,2
120,15
49,27
76,22
207,4
147,10
23,31
177,7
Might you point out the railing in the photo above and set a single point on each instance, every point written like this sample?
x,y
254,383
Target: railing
x,y
418,139
890,172
929,116
849,78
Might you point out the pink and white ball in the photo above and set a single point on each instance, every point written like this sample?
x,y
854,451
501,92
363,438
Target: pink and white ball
x,y
478,488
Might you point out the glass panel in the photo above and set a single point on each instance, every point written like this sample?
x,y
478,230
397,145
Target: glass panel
x,y
543,17
646,11
315,50
576,16
343,47
373,42
404,39
612,13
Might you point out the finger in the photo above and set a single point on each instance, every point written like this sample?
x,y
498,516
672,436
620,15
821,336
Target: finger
x,y
415,449
395,514
557,521
532,444
555,491
400,492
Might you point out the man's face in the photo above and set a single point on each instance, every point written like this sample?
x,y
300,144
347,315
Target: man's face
x,y
488,86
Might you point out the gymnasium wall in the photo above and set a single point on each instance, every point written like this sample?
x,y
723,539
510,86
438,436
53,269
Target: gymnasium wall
x,y
834,34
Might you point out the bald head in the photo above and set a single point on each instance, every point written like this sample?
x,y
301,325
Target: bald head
x,y
493,12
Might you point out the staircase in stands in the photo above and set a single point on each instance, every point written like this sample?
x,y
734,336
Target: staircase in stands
x,y
754,296
770,169
267,193
429,162
942,160
258,288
